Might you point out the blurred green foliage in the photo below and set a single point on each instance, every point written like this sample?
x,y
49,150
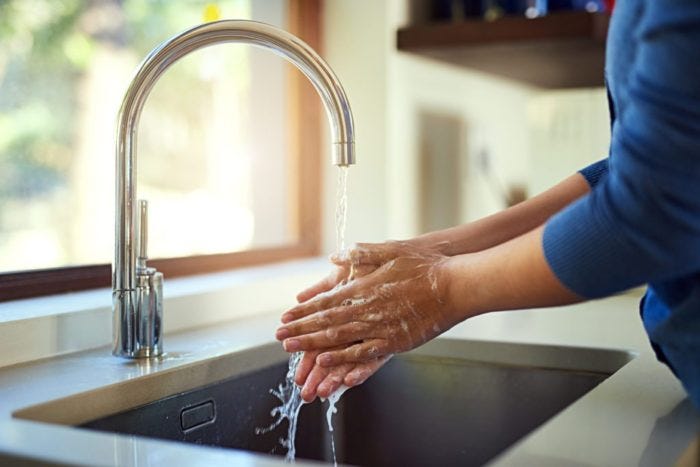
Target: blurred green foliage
x,y
46,46
36,93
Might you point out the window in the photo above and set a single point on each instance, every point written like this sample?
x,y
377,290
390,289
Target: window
x,y
220,140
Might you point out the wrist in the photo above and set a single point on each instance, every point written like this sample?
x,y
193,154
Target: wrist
x,y
421,241
432,241
454,278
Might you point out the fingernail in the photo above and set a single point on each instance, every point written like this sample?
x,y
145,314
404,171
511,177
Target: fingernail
x,y
282,334
287,317
292,345
323,389
356,377
325,360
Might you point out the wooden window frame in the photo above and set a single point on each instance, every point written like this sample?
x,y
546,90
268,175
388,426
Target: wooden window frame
x,y
304,21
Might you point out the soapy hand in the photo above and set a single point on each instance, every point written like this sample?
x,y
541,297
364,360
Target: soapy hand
x,y
398,306
361,260
342,274
316,380
323,381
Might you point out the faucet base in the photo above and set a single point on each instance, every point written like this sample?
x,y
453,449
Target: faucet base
x,y
141,353
138,316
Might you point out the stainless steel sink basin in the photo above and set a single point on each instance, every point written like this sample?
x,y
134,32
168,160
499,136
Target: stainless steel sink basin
x,y
451,402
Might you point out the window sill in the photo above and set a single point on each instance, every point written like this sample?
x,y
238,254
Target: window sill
x,y
42,327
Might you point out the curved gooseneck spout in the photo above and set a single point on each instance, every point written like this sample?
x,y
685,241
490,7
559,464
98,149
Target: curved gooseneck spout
x,y
137,289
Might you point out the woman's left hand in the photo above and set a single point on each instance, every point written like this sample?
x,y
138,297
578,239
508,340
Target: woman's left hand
x,y
316,380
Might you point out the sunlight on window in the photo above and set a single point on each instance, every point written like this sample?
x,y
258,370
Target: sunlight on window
x,y
212,137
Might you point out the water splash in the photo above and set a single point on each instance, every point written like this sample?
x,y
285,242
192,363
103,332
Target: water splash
x,y
289,394
332,400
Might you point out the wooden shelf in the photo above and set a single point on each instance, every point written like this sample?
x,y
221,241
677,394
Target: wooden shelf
x,y
561,50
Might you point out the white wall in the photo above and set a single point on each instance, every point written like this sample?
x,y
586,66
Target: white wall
x,y
492,109
534,137
568,130
356,46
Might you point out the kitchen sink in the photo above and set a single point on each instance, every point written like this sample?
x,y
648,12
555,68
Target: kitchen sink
x,y
450,402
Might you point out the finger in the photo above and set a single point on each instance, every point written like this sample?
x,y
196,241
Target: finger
x,y
324,285
305,309
340,258
317,303
361,372
319,287
307,363
316,322
330,299
331,337
359,353
316,376
361,270
353,271
333,380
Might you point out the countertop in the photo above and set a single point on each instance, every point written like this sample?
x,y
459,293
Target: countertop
x,y
639,416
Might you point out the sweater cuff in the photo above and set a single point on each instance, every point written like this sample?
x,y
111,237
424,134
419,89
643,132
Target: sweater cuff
x,y
585,254
595,172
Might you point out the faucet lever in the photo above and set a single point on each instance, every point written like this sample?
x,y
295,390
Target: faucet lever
x,y
149,294
142,235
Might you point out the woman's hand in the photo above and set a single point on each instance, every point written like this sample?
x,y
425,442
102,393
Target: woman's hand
x,y
358,262
393,309
342,274
321,381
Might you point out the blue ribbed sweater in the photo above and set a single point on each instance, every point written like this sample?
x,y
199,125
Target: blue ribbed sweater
x,y
641,221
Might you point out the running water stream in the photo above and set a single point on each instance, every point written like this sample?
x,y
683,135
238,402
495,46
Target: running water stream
x,y
341,209
288,393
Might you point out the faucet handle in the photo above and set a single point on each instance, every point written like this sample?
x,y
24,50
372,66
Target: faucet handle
x,y
142,237
149,294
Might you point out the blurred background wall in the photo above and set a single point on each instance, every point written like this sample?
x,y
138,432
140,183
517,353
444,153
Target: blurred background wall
x,y
511,138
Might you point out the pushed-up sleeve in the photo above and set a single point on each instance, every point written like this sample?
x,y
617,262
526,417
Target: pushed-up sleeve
x,y
641,221
595,172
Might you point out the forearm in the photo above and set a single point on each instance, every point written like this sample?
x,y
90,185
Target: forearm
x,y
512,275
507,224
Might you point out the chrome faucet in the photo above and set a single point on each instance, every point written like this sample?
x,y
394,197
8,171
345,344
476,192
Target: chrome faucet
x,y
136,288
